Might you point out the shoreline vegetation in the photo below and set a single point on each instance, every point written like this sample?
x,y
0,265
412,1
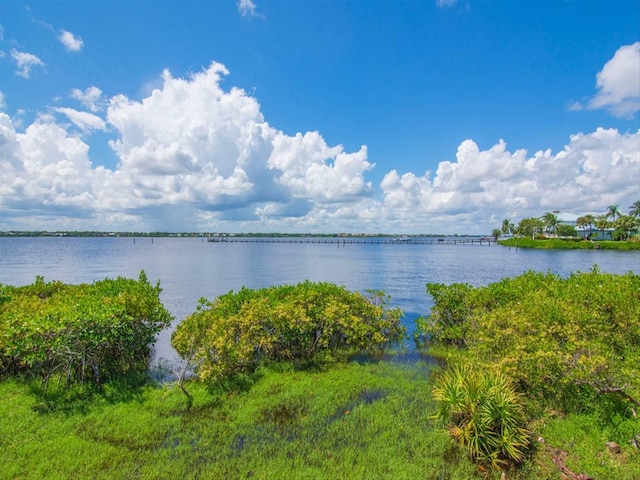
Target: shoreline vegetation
x,y
569,244
611,230
536,378
15,233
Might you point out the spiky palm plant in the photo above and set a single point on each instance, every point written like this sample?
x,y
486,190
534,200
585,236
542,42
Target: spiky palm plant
x,y
484,414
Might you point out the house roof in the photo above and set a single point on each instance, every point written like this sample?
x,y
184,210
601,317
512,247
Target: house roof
x,y
567,217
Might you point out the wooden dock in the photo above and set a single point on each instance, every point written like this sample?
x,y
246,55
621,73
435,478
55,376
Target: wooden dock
x,y
359,240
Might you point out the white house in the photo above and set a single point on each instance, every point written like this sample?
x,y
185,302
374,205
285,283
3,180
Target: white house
x,y
585,231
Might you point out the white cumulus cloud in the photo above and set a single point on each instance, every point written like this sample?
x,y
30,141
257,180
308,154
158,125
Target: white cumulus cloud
x,y
25,62
191,141
45,170
311,169
85,121
594,170
195,156
71,42
618,83
90,98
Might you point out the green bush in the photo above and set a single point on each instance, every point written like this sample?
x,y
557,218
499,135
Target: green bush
x,y
559,339
484,415
83,332
456,307
450,314
237,332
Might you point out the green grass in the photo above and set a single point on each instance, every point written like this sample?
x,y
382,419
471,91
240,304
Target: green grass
x,y
583,438
562,244
352,421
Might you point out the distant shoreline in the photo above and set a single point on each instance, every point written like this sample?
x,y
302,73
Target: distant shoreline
x,y
15,233
567,244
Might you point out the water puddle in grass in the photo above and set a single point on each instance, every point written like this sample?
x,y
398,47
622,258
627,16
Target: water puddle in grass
x,y
366,397
281,421
162,370
405,357
238,443
369,396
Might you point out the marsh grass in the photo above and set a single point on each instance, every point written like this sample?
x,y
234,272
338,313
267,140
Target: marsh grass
x,y
349,421
583,438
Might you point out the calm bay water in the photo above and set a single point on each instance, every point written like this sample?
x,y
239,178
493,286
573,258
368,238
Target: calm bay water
x,y
191,268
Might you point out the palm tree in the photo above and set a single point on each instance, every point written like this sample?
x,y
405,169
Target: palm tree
x,y
602,222
626,225
551,221
495,233
590,219
614,212
585,221
634,209
581,222
507,226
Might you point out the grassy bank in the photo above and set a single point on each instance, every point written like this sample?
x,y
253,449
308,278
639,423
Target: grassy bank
x,y
562,244
352,421
372,421
569,347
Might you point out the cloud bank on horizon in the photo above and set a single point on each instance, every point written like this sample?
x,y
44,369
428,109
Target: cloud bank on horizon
x,y
195,156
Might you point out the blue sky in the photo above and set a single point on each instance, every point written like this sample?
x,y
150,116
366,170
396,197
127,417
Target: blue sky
x,y
435,116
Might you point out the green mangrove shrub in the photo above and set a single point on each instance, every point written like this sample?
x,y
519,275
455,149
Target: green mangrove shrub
x,y
557,338
87,332
457,307
450,314
483,414
237,332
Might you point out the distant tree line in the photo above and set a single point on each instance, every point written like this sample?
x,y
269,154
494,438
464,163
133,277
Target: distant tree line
x,y
623,227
